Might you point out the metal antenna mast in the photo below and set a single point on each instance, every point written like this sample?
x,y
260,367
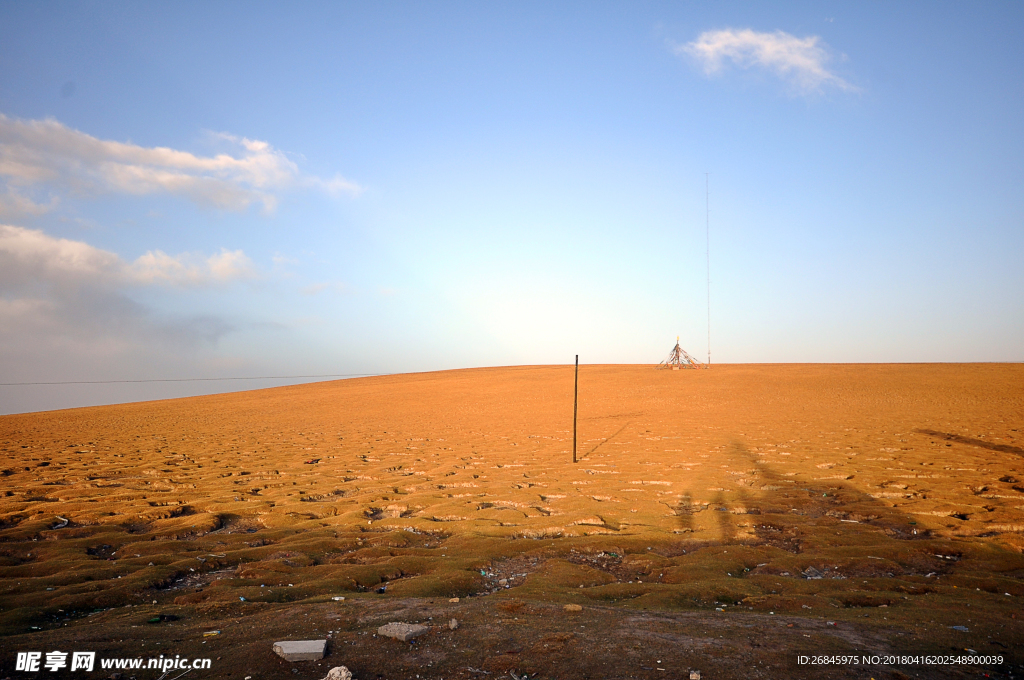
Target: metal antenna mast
x,y
707,234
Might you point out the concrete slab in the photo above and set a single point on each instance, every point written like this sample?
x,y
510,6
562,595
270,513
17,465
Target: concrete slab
x,y
301,650
402,631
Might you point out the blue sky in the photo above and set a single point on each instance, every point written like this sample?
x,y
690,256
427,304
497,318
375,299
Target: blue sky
x,y
245,189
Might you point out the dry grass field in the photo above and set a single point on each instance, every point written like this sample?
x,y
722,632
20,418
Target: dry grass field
x,y
725,520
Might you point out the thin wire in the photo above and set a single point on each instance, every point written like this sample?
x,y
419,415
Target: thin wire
x,y
707,233
156,380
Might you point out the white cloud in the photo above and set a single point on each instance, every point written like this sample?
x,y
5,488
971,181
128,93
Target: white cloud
x,y
48,153
66,306
29,257
14,205
185,270
799,61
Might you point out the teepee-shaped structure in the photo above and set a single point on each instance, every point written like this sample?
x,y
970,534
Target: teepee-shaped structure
x,y
678,358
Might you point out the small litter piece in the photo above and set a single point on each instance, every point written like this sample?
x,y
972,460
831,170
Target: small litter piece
x,y
573,608
339,673
339,598
211,633
812,573
402,631
301,650
312,461
453,600
453,624
962,629
694,675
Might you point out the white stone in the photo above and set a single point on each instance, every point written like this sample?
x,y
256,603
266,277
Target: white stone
x,y
402,631
339,673
301,650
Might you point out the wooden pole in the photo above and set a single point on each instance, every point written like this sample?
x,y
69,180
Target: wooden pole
x,y
575,405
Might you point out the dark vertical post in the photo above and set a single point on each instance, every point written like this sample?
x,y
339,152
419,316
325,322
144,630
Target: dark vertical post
x,y
575,404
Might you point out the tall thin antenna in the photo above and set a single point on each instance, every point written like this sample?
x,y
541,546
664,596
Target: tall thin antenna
x,y
575,406
707,234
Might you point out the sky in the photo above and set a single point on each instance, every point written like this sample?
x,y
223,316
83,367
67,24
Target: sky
x,y
245,189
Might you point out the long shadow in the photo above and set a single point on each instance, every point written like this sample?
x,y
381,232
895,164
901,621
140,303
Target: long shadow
x,y
606,440
970,441
812,499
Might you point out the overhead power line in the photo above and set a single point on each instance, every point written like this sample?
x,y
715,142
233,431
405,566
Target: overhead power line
x,y
158,380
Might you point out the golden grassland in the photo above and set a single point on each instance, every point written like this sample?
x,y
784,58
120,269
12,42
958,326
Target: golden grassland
x,y
804,490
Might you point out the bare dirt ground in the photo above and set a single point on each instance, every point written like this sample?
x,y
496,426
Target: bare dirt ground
x,y
727,520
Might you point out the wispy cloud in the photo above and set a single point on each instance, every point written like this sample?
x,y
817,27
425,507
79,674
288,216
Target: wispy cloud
x,y
48,153
66,306
801,62
189,269
14,205
29,257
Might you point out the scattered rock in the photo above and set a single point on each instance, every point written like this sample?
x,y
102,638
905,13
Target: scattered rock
x,y
402,631
453,624
694,675
301,650
573,608
339,673
453,600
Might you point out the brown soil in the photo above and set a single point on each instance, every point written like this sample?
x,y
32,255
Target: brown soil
x,y
725,520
